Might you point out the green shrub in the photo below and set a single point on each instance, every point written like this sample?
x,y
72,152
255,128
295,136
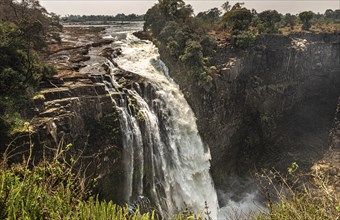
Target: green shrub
x,y
51,190
239,19
244,39
193,55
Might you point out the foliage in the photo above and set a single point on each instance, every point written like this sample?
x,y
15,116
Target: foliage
x,y
208,46
306,17
51,190
238,5
182,35
210,16
300,196
268,19
244,39
154,20
20,65
173,48
193,55
226,6
290,20
168,30
239,19
332,15
24,27
261,28
164,11
105,18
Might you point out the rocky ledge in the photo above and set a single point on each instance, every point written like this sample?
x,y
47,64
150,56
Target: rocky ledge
x,y
76,107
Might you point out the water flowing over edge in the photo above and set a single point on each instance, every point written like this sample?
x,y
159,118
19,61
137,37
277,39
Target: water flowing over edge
x,y
163,157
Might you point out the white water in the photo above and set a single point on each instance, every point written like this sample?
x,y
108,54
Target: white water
x,y
163,157
166,159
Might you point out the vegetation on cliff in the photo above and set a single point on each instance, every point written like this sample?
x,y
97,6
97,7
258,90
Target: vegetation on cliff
x,y
24,29
233,33
191,40
102,18
171,22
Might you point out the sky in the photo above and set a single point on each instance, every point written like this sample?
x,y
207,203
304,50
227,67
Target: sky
x,y
113,7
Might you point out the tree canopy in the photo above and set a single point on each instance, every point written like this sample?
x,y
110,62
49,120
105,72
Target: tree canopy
x,y
269,18
24,28
239,19
166,10
306,17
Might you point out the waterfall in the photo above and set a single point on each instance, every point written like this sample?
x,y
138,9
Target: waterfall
x,y
164,158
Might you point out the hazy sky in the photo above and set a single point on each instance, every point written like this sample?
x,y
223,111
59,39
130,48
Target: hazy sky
x,y
112,7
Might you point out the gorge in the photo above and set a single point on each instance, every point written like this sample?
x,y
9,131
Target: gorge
x,y
115,101
229,113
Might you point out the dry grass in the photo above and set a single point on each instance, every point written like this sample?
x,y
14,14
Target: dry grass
x,y
300,196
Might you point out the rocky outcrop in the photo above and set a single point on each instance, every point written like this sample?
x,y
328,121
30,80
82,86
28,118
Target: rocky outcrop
x,y
268,106
77,108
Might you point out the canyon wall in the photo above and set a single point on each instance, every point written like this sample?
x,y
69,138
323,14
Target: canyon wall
x,y
269,106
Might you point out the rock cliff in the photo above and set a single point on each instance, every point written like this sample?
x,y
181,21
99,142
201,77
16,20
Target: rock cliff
x,y
268,106
76,108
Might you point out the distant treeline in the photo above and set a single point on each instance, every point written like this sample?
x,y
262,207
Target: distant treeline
x,y
118,17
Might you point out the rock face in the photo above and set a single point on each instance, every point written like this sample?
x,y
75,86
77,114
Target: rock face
x,y
335,133
78,110
75,107
269,106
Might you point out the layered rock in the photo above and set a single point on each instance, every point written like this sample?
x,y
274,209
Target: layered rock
x,y
268,106
76,108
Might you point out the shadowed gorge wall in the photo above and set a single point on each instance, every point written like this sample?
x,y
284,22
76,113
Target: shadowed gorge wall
x,y
269,106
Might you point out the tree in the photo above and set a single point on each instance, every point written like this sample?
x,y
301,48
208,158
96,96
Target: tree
x,y
168,31
166,10
306,17
238,5
239,19
269,18
175,10
211,15
20,65
333,15
121,16
154,20
290,20
329,13
193,54
131,17
23,32
226,6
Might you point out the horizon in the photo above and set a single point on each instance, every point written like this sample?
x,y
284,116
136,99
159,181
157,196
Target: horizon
x,y
113,7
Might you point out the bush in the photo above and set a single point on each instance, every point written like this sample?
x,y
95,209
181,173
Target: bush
x,y
300,196
51,190
239,19
193,55
20,65
269,18
244,39
306,17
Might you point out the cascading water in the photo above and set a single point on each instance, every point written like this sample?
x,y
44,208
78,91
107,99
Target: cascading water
x,y
177,165
163,157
